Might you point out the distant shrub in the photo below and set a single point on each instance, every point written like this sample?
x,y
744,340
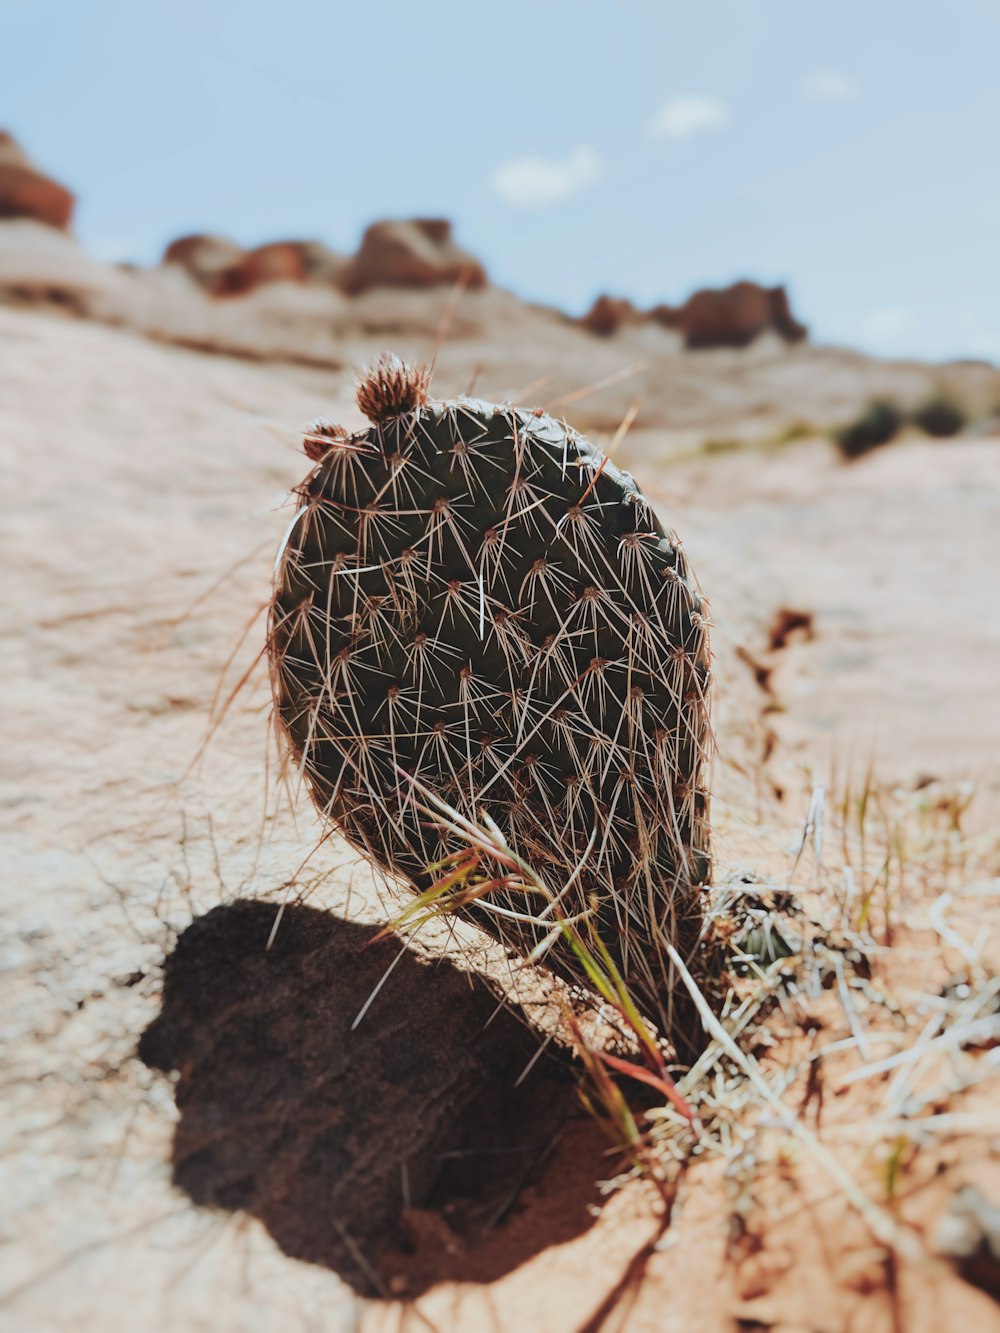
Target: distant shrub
x,y
878,424
795,431
721,445
939,416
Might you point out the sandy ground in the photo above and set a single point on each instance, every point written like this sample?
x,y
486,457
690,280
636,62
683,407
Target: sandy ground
x,y
893,559
140,515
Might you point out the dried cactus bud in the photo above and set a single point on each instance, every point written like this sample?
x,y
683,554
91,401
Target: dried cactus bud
x,y
390,387
320,438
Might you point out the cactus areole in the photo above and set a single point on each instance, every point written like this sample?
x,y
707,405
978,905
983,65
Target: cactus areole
x,y
471,595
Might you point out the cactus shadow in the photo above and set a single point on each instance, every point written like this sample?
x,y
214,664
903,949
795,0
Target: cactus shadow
x,y
400,1154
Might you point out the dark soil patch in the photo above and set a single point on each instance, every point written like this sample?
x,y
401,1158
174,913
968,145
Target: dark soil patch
x,y
786,623
399,1154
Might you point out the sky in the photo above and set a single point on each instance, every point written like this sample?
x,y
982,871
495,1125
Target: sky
x,y
638,147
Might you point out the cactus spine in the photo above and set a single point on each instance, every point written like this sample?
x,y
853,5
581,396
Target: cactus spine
x,y
472,594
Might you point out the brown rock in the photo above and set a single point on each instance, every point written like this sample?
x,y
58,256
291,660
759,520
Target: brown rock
x,y
279,261
26,193
732,316
416,253
288,261
608,314
42,264
225,269
323,265
208,259
663,314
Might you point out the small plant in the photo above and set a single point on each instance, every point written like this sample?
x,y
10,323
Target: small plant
x,y
484,863
880,422
939,417
795,431
721,444
473,599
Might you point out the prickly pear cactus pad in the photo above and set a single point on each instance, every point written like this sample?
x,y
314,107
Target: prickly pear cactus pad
x,y
472,595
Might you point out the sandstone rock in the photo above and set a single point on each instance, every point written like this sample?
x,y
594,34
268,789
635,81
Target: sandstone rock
x,y
26,193
40,265
728,317
286,261
610,313
279,261
731,316
281,321
224,268
208,259
277,321
416,253
322,264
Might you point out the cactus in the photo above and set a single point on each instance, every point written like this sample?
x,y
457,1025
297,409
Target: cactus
x,y
473,596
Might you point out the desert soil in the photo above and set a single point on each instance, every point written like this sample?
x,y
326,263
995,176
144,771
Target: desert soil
x,y
150,1179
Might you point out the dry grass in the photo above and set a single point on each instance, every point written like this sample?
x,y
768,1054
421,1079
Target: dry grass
x,y
848,979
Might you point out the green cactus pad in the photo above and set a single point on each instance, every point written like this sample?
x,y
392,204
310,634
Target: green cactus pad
x,y
472,595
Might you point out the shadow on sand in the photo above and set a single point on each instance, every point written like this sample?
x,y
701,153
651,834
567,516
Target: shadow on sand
x,y
400,1154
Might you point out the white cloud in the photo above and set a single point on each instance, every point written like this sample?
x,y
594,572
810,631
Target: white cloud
x,y
683,116
831,86
885,325
541,182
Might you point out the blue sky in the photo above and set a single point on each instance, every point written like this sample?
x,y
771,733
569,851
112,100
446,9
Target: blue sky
x,y
642,147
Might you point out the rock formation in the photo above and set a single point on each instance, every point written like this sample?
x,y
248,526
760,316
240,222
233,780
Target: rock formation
x,y
610,313
208,259
279,261
26,193
731,316
322,265
417,253
713,317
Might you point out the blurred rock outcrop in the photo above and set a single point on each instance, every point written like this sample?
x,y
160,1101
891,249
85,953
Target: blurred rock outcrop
x,y
713,317
208,259
610,313
288,261
732,316
223,268
40,264
415,253
26,193
300,302
322,265
278,261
